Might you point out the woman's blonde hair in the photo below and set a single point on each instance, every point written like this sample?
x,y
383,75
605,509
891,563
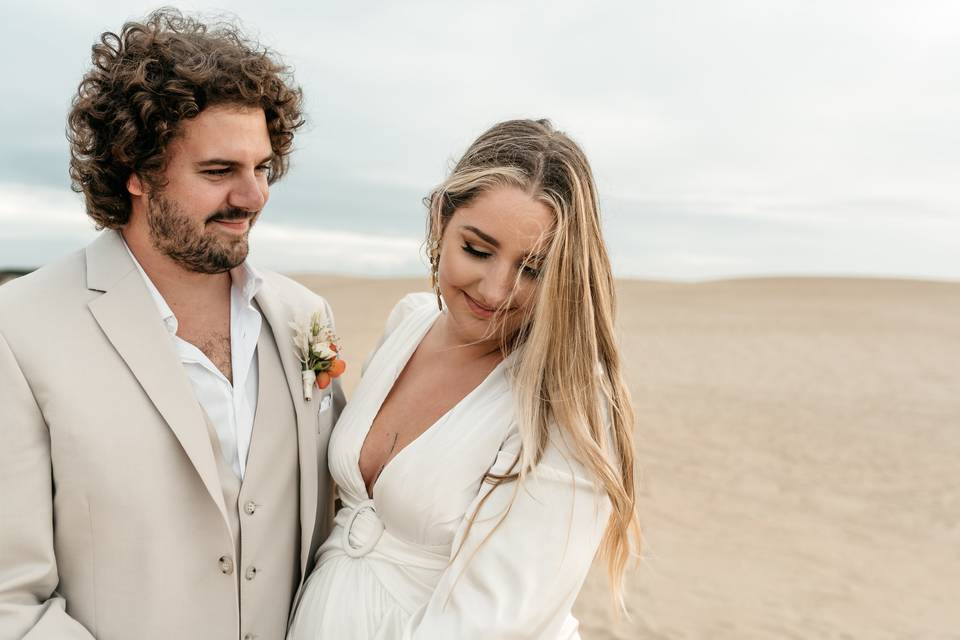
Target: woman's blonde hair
x,y
568,369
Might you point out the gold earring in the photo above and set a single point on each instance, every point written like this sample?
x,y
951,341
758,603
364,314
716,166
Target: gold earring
x,y
435,271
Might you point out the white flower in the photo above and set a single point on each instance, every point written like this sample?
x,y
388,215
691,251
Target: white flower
x,y
301,341
315,343
323,351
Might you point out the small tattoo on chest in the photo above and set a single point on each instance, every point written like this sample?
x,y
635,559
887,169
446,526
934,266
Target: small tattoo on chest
x,y
393,443
386,458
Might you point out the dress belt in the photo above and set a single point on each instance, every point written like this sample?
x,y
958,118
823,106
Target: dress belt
x,y
363,533
363,526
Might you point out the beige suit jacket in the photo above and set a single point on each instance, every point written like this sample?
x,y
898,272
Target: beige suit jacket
x,y
112,517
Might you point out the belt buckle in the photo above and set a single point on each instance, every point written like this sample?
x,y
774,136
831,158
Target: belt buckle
x,y
366,547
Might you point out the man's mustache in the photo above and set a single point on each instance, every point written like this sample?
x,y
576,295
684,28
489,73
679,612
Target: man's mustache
x,y
229,215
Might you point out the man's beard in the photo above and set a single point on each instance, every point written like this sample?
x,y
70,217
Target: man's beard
x,y
176,236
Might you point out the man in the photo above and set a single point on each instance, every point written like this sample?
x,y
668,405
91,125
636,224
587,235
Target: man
x,y
158,457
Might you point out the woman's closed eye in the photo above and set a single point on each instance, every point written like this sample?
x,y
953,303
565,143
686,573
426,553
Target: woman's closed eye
x,y
469,248
527,269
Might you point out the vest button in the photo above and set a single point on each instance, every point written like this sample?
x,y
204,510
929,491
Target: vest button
x,y
251,573
226,565
250,507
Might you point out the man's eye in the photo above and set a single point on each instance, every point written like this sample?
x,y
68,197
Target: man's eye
x,y
264,168
475,252
216,172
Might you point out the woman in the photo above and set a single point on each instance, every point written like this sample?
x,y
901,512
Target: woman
x,y
487,453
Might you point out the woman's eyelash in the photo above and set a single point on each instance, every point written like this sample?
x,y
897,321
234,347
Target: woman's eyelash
x,y
527,269
475,252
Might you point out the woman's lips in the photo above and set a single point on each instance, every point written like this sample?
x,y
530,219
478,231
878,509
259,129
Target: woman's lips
x,y
478,309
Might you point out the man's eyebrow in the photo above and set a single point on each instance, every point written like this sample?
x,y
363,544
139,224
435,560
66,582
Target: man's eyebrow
x,y
228,163
483,236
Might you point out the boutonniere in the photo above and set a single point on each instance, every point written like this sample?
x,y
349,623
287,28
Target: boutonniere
x,y
318,349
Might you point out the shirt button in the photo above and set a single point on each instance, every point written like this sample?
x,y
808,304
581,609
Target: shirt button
x,y
251,573
226,565
250,507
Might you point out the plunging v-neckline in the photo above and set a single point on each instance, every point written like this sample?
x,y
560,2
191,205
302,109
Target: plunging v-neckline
x,y
371,493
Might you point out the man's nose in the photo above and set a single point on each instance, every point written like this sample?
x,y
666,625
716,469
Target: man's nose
x,y
250,192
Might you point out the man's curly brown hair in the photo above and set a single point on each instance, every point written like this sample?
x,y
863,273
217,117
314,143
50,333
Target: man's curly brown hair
x,y
148,79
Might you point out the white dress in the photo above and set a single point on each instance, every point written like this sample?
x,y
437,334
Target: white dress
x,y
391,566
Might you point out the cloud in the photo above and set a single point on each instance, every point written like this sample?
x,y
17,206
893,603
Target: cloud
x,y
760,136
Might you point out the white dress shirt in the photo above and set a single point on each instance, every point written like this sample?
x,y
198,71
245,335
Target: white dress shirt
x,y
231,408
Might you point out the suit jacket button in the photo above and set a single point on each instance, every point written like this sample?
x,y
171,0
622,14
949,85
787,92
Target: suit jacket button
x,y
226,565
250,507
251,573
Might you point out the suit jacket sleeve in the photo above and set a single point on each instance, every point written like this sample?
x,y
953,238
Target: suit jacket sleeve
x,y
30,607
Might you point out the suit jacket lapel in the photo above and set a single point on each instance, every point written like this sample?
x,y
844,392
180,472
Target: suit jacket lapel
x,y
129,318
278,317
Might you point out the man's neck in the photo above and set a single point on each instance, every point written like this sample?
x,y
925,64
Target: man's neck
x,y
180,287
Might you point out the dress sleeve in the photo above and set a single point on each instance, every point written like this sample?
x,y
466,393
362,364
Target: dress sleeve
x,y
524,560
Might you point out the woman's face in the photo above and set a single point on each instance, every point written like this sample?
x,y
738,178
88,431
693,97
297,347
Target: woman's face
x,y
485,245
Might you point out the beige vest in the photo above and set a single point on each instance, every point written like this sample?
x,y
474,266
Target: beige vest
x,y
264,508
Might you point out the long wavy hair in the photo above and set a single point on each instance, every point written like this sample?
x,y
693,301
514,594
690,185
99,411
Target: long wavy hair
x,y
568,371
146,81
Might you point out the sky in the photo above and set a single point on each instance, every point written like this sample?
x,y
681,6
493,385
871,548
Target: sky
x,y
727,138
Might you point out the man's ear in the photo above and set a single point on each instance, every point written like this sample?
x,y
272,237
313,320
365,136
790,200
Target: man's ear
x,y
135,185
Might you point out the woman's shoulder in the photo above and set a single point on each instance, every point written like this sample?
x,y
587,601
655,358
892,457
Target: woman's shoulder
x,y
409,305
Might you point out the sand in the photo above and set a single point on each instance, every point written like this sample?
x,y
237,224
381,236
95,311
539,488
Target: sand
x,y
799,444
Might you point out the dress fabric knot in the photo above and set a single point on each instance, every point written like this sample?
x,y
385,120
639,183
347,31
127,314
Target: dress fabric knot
x,y
362,530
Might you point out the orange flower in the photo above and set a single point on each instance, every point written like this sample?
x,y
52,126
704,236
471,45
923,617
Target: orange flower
x,y
323,379
337,367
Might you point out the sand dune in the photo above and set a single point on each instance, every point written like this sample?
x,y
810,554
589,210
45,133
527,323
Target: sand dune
x,y
800,445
